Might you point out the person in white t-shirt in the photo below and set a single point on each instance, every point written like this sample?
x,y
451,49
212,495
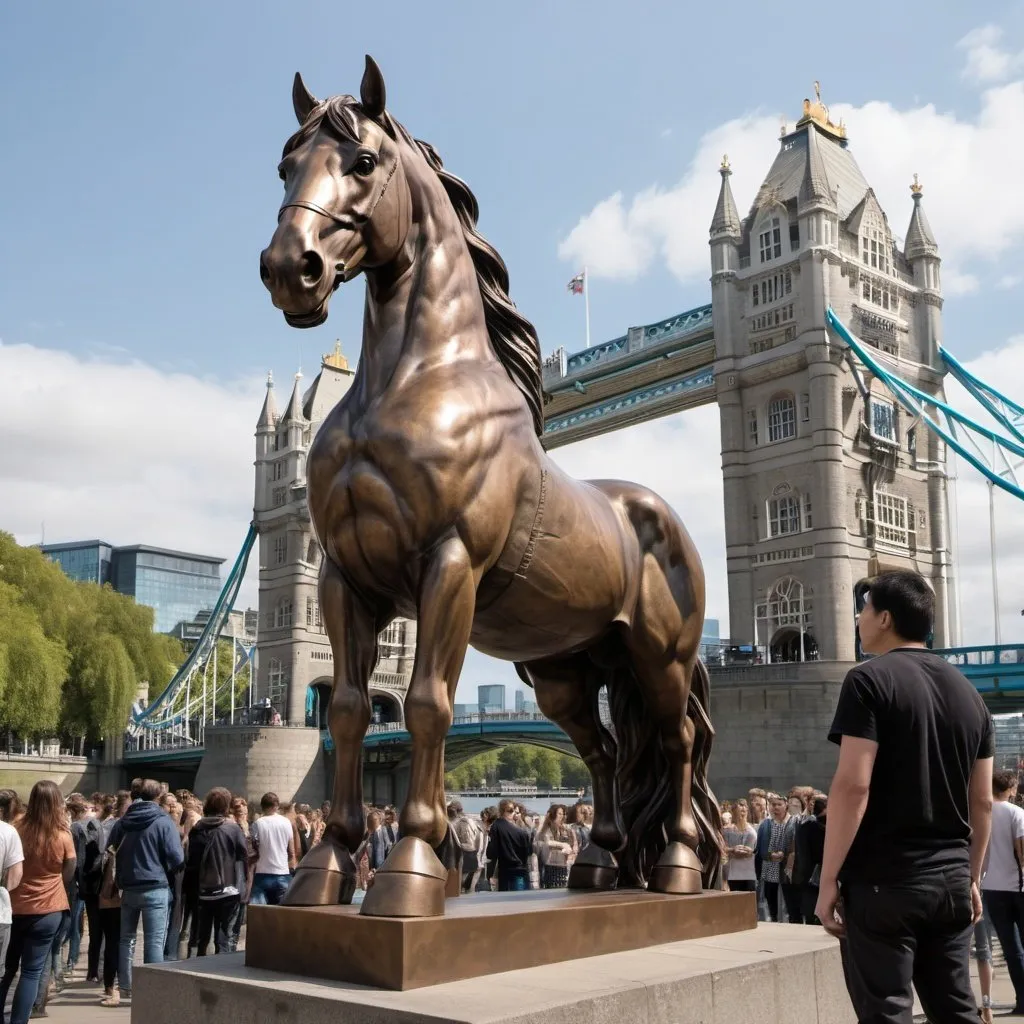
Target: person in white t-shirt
x,y
740,841
274,838
11,860
1001,884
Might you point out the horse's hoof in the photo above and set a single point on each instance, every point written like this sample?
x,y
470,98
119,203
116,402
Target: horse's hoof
x,y
325,876
595,868
678,871
410,883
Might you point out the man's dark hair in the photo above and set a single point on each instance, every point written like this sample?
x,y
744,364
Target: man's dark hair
x,y
269,802
217,803
135,788
150,789
820,806
908,599
1003,782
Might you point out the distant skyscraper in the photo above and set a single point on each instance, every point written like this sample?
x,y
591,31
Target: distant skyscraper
x,y
524,704
491,697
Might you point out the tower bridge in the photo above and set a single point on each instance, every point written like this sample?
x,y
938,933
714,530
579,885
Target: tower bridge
x,y
829,474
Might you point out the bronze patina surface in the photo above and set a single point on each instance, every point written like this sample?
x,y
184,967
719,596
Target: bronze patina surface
x,y
482,934
433,498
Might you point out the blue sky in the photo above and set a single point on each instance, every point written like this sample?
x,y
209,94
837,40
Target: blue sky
x,y
138,177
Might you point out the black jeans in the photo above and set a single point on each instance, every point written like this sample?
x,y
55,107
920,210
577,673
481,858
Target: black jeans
x,y
743,885
110,925
794,906
912,933
92,915
1005,912
771,897
216,916
808,901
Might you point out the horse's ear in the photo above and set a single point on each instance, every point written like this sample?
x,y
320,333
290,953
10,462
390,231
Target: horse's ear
x,y
371,89
302,99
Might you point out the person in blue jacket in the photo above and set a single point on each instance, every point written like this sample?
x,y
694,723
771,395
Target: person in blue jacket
x,y
148,855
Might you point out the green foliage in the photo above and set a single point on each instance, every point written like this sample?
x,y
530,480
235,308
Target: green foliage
x,y
518,762
72,655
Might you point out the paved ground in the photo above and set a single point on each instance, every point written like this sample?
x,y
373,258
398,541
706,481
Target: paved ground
x,y
79,1002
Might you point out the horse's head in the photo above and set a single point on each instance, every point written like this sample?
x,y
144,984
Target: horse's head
x,y
346,199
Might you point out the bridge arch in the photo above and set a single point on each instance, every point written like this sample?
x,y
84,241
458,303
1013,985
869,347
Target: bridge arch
x,y
318,696
385,707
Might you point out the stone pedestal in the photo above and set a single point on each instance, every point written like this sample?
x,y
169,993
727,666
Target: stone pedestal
x,y
774,974
251,760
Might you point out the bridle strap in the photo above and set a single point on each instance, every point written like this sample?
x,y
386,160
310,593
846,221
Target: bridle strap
x,y
305,204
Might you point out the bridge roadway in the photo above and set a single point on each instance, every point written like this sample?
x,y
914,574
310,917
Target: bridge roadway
x,y
996,672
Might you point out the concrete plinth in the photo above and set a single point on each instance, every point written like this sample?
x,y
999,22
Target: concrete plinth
x,y
774,974
252,760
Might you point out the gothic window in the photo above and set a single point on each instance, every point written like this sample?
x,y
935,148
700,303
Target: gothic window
x,y
754,293
313,552
279,496
277,442
827,236
892,519
275,674
771,241
883,419
277,682
280,549
309,611
875,245
781,418
752,427
788,514
805,408
283,614
317,622
277,469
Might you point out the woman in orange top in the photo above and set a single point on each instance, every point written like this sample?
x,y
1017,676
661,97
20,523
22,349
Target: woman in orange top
x,y
41,899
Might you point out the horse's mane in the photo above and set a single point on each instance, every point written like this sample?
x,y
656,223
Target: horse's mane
x,y
513,336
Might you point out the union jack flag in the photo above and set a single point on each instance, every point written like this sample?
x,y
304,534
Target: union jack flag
x,y
576,285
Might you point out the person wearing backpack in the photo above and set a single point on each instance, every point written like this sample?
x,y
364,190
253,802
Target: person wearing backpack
x,y
217,858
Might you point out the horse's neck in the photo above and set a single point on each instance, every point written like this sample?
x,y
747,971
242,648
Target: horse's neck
x,y
427,310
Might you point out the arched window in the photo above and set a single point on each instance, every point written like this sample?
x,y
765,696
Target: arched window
x,y
283,613
313,552
781,418
770,240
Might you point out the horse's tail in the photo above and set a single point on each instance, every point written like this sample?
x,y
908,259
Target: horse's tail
x,y
645,790
705,806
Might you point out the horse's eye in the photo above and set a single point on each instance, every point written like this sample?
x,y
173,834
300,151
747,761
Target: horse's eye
x,y
365,165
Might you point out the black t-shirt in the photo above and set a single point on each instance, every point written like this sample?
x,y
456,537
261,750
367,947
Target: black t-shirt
x,y
931,726
509,845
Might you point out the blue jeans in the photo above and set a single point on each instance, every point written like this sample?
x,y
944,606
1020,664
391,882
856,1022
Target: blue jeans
x,y
269,889
75,938
53,965
1004,911
152,906
31,940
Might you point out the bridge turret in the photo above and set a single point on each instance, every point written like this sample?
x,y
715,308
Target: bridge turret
x,y
922,253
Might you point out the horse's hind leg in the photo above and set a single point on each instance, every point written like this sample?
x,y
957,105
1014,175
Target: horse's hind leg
x,y
565,695
327,874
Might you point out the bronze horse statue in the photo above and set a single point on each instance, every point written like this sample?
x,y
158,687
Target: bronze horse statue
x,y
434,499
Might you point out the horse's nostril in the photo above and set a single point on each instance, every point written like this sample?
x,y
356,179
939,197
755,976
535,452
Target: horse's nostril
x,y
312,267
264,269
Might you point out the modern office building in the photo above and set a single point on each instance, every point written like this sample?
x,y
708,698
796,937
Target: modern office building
x,y
491,697
525,704
711,642
175,584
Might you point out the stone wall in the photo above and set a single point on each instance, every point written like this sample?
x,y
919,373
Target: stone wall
x,y
72,774
771,724
251,761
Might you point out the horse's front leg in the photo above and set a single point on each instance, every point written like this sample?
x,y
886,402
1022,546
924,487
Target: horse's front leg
x,y
327,874
412,881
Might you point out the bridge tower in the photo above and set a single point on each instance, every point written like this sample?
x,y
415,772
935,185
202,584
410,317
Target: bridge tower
x,y
295,664
827,481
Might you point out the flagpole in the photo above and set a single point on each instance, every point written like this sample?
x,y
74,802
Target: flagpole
x,y
586,302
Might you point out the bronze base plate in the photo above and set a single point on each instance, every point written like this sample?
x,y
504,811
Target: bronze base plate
x,y
485,933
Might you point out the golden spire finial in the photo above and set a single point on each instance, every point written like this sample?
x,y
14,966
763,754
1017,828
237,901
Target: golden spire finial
x,y
817,112
725,165
335,358
917,188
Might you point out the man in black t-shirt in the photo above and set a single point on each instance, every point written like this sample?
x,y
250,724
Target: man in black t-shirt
x,y
909,816
511,846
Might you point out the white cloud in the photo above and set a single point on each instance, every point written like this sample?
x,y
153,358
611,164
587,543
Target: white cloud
x,y
124,452
986,61
622,236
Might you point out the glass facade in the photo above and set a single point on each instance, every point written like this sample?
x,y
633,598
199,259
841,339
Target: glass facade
x,y
491,697
176,585
84,561
711,643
